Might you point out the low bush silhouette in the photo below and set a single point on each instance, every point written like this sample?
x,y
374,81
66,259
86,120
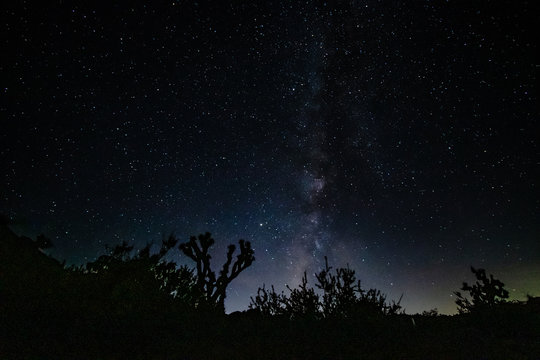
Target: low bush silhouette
x,y
432,312
485,293
139,282
342,297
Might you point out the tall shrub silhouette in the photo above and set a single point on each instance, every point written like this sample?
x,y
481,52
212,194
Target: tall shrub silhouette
x,y
342,297
302,301
145,277
269,303
212,288
140,282
485,293
339,290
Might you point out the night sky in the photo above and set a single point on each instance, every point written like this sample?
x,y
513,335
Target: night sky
x,y
400,137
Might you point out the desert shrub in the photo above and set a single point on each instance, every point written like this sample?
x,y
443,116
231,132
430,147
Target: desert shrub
x,y
341,297
432,312
485,293
268,302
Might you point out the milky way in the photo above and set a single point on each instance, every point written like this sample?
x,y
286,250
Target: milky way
x,y
312,236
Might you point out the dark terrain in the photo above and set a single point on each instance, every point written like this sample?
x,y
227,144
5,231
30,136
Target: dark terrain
x,y
116,308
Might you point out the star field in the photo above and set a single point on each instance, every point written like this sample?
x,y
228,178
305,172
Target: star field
x,y
398,138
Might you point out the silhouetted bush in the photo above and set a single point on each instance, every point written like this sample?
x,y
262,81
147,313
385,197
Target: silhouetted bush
x,y
342,297
485,293
432,312
141,282
268,302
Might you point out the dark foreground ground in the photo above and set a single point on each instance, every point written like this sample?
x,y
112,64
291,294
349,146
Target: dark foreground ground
x,y
56,336
47,312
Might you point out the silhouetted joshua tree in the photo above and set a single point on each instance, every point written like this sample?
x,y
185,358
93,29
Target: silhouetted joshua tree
x,y
485,293
214,289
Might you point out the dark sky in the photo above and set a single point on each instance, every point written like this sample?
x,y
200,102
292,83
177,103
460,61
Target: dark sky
x,y
400,137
